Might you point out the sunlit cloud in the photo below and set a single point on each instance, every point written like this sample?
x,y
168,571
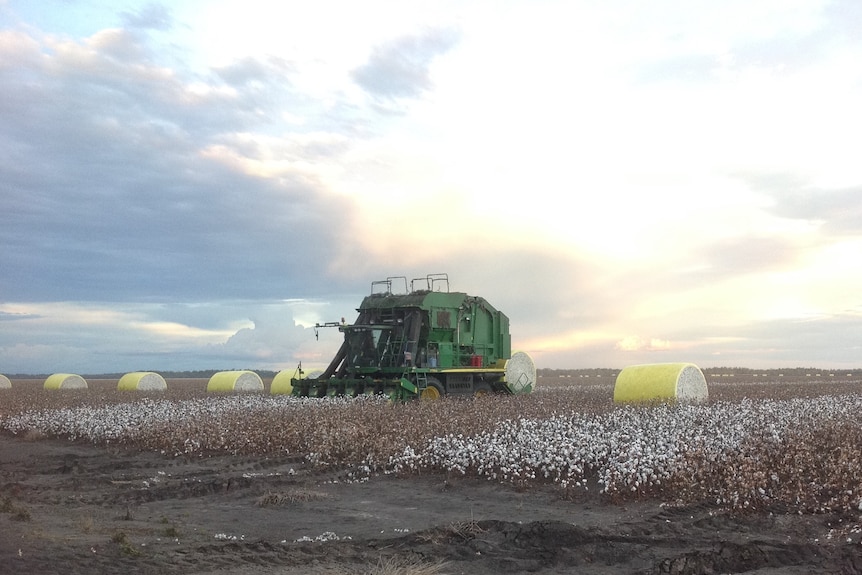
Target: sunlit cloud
x,y
172,330
637,343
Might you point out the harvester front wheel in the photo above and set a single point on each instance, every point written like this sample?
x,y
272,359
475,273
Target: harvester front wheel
x,y
433,391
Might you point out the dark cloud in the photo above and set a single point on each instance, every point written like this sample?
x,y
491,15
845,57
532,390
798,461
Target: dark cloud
x,y
784,52
263,89
839,211
149,17
120,181
401,68
742,255
253,72
8,316
827,341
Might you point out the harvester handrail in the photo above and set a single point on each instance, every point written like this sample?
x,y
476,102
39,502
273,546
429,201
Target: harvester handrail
x,y
431,281
388,283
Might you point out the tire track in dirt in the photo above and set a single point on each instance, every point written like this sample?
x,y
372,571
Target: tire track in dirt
x,y
77,508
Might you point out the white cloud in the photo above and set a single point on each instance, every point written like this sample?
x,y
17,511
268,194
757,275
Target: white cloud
x,y
109,337
637,343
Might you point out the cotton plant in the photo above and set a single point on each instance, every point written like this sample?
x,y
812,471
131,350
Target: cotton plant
x,y
738,453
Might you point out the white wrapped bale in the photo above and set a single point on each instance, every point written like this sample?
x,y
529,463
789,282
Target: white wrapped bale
x,y
520,373
5,383
682,382
142,381
65,381
235,381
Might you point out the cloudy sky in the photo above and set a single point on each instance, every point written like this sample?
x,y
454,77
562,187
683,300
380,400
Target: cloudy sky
x,y
194,184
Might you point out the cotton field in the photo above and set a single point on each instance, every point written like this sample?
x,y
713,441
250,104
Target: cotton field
x,y
788,447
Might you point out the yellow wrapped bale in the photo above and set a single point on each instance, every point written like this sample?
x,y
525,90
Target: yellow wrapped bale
x,y
142,381
5,383
682,382
65,381
281,383
235,381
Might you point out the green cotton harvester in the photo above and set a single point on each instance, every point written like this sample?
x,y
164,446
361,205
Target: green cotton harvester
x,y
425,342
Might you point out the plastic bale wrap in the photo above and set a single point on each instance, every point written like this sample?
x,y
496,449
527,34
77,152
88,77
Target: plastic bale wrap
x,y
520,373
281,383
235,381
65,381
682,382
5,383
142,381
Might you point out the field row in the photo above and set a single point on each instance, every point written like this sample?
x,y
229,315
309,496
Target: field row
x,y
796,449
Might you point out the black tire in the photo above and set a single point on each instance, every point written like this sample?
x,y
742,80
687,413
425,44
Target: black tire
x,y
482,389
433,391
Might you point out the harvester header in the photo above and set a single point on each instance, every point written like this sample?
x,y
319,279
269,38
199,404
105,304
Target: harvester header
x,y
422,340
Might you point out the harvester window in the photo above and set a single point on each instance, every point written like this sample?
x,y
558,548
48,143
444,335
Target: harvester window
x,y
363,347
444,319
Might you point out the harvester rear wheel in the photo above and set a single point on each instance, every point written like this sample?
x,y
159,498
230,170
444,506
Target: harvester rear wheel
x,y
433,391
481,389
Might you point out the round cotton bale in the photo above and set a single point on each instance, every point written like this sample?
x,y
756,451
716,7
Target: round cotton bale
x,y
235,381
142,381
520,373
4,382
281,383
65,381
682,382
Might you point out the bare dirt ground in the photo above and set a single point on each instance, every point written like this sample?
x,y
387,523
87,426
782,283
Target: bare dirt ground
x,y
76,508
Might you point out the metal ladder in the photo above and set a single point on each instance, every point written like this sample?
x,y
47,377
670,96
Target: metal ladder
x,y
394,351
421,380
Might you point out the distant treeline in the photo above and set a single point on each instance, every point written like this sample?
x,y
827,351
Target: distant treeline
x,y
787,371
545,372
594,372
741,371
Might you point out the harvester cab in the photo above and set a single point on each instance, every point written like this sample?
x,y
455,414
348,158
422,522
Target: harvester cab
x,y
418,339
